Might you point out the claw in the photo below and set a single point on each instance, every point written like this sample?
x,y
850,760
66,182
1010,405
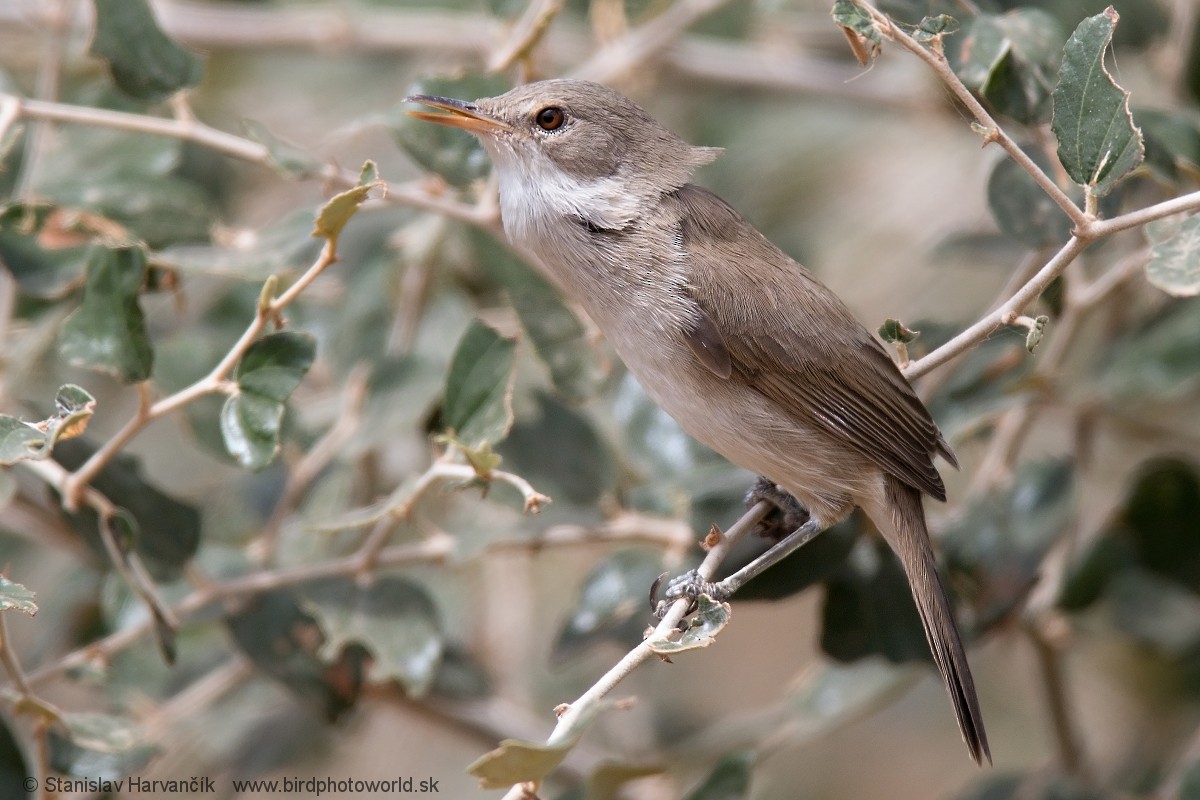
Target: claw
x,y
654,604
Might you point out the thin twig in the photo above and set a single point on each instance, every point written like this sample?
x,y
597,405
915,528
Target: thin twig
x,y
49,77
214,381
526,34
12,664
642,45
127,564
324,451
1049,658
1003,315
569,719
993,132
415,194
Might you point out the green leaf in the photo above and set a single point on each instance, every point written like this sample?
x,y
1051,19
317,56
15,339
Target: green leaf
x,y
268,373
612,602
608,779
869,609
14,595
1034,337
128,178
20,441
160,210
1158,361
167,531
15,769
1159,517
108,331
41,249
283,640
289,159
893,330
995,549
703,627
559,471
728,780
1087,579
144,63
558,338
454,154
369,174
1174,264
1098,143
1156,611
517,761
859,28
334,215
280,248
934,27
99,746
834,692
1189,788
1022,210
392,618
1009,60
478,399
1172,141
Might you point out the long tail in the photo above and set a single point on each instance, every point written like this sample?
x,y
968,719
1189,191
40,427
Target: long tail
x,y
910,539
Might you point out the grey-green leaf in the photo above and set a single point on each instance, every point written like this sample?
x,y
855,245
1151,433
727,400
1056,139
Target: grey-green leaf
x,y
1174,264
478,399
729,779
14,595
108,331
288,158
1098,143
1021,208
99,746
1010,61
267,375
1156,361
394,618
20,441
558,337
145,63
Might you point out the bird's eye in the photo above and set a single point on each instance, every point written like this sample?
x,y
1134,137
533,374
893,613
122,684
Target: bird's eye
x,y
550,118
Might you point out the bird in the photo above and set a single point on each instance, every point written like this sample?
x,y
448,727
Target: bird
x,y
746,349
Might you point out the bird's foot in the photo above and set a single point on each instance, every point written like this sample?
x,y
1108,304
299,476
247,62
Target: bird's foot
x,y
688,585
786,516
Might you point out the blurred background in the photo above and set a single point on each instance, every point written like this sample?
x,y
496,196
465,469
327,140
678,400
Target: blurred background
x,y
348,603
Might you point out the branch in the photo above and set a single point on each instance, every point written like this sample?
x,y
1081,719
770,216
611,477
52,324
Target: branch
x,y
1005,314
526,34
215,381
1049,656
9,659
645,43
993,132
568,720
416,194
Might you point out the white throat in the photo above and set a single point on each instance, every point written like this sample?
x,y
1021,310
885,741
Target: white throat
x,y
536,195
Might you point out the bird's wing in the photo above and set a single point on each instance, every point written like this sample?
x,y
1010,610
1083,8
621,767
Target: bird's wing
x,y
816,362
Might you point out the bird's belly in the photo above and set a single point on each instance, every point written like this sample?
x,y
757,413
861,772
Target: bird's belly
x,y
749,429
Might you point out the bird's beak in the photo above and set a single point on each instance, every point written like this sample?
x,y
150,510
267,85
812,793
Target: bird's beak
x,y
459,114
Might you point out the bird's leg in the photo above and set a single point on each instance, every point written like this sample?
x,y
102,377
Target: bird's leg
x,y
787,516
690,584
790,524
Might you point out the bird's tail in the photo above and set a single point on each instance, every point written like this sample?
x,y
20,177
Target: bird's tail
x,y
909,537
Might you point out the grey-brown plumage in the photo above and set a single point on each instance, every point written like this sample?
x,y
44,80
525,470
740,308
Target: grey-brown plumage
x,y
739,343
